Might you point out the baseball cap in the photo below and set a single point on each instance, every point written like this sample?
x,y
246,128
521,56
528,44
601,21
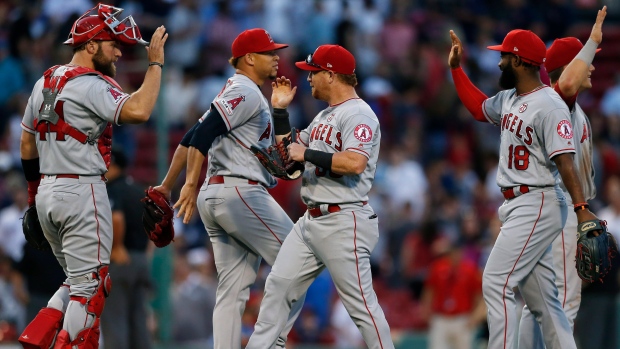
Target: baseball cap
x,y
562,51
525,44
254,40
329,57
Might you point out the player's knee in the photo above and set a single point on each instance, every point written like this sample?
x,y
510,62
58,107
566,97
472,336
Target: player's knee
x,y
60,299
282,288
490,282
97,285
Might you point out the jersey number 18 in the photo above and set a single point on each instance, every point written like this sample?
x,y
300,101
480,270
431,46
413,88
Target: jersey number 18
x,y
519,156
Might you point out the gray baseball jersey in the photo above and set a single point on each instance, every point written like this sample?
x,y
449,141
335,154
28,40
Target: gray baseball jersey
x,y
247,117
535,127
86,103
340,241
352,126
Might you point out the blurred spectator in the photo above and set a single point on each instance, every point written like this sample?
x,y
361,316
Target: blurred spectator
x,y
180,97
12,310
611,213
124,323
311,327
345,331
11,236
184,25
193,299
610,103
452,291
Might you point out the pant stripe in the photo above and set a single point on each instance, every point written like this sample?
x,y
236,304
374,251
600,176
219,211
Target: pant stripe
x,y
513,269
249,208
564,268
359,279
92,190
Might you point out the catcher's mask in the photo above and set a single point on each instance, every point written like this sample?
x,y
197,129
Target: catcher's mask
x,y
100,23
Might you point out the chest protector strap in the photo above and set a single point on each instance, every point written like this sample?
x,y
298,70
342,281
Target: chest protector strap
x,y
52,86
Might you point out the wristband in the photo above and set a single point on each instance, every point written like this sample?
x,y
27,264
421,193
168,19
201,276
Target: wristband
x,y
581,206
281,123
161,65
319,158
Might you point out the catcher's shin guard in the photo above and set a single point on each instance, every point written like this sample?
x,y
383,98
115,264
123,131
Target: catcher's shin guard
x,y
41,331
87,338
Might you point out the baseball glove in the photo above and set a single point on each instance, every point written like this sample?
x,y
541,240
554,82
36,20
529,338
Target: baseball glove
x,y
275,158
33,231
594,253
157,218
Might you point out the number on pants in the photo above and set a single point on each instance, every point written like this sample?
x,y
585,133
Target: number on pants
x,y
520,156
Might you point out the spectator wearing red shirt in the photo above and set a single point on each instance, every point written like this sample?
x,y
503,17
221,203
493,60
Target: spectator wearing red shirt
x,y
452,300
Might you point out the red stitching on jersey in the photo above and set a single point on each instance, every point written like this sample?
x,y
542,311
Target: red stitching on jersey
x,y
359,279
359,150
559,150
117,113
265,224
31,129
515,265
92,189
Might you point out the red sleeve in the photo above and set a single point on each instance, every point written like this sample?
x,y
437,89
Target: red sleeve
x,y
570,101
469,94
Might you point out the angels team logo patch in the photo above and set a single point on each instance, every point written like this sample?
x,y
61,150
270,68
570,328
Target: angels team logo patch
x,y
231,104
565,130
363,133
523,107
116,94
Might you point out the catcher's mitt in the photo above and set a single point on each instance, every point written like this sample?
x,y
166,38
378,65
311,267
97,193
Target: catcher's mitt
x,y
594,253
33,231
157,218
275,158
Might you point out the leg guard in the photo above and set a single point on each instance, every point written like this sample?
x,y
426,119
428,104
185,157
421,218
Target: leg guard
x,y
41,331
86,312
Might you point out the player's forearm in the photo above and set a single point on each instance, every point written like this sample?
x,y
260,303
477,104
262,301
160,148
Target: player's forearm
x,y
566,167
179,161
469,94
577,70
28,146
140,104
194,164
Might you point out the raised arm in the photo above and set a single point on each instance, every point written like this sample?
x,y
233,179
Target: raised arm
x,y
140,104
571,80
468,93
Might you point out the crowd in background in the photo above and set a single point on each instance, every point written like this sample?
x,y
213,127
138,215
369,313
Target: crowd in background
x,y
435,191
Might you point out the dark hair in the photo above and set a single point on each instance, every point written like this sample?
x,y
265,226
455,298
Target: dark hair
x,y
349,79
234,61
554,75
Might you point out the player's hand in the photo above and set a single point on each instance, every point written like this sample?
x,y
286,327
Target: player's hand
x,y
120,255
282,94
167,192
456,52
585,215
597,32
186,203
296,152
155,49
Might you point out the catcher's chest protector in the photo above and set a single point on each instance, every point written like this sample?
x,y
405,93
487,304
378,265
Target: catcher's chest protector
x,y
51,117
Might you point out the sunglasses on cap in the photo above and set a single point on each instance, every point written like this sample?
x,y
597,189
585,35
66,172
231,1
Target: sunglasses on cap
x,y
312,64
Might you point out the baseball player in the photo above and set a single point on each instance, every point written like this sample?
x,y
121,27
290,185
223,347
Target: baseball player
x,y
569,64
65,145
243,221
537,147
339,230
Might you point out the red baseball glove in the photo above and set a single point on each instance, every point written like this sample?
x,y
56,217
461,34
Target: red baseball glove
x,y
157,218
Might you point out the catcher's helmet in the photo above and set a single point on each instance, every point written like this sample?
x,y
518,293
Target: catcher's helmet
x,y
100,23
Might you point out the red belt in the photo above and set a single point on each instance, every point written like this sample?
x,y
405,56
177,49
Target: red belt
x,y
74,176
509,193
331,208
220,180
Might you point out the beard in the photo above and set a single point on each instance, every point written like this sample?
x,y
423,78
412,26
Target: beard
x,y
508,79
102,64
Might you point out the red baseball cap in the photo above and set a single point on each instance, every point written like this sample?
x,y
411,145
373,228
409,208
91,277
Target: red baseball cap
x,y
525,44
254,41
562,52
329,57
